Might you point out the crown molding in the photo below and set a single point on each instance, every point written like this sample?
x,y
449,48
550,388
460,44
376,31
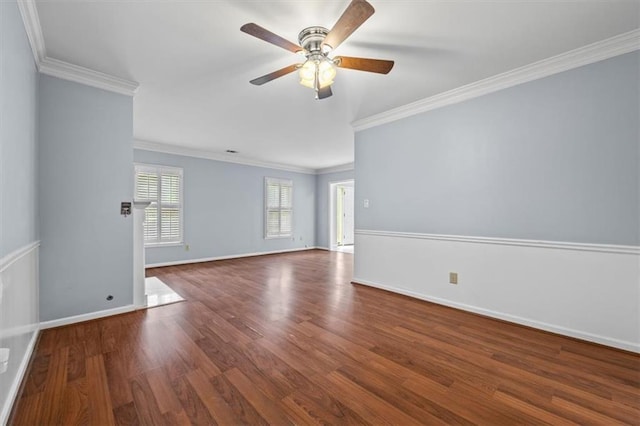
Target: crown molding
x,y
601,50
210,155
33,28
335,169
86,76
65,70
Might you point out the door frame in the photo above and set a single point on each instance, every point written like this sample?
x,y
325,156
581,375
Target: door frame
x,y
333,185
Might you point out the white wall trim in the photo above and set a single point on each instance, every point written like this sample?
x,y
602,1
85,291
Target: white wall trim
x,y
31,21
86,76
629,346
232,256
15,255
332,201
21,278
15,386
604,49
601,248
210,155
66,70
86,317
335,169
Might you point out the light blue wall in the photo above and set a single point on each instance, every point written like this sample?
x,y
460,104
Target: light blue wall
x,y
554,159
86,169
322,201
18,109
224,209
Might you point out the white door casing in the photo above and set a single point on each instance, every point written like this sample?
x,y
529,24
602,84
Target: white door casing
x,y
347,215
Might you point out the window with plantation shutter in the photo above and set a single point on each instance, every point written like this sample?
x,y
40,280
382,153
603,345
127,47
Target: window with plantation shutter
x,y
278,199
162,186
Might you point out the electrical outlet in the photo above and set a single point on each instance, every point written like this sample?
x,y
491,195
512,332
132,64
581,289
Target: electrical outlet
x,y
453,277
187,247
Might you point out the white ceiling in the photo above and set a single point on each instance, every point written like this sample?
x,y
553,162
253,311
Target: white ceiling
x,y
194,65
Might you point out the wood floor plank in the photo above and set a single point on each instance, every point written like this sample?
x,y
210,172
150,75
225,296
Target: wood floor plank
x,y
126,415
417,406
298,358
243,410
100,408
76,364
218,408
37,378
117,378
532,410
266,407
187,348
88,334
589,416
473,409
319,407
54,389
177,419
76,404
192,405
373,409
162,391
144,399
288,338
28,411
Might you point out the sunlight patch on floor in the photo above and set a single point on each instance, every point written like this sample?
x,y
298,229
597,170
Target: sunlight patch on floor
x,y
158,293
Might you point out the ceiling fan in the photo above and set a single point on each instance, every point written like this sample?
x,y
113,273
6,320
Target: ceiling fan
x,y
316,43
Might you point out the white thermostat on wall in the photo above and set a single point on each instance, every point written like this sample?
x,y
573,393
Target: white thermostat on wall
x,y
366,204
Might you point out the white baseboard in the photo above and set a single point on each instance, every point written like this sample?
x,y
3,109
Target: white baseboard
x,y
15,385
232,256
628,346
86,317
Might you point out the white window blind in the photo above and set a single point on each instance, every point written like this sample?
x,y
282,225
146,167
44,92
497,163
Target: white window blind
x,y
278,208
162,186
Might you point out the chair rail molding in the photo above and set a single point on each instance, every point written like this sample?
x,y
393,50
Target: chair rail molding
x,y
602,248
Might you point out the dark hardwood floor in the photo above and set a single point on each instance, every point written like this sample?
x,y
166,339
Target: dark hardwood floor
x,y
287,339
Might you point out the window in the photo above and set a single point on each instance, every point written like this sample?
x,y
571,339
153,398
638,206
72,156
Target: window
x,y
278,199
163,218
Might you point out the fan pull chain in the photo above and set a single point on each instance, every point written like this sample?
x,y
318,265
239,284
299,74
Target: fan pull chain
x,y
316,82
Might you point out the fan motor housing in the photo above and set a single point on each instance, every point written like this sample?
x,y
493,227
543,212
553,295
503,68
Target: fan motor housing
x,y
311,39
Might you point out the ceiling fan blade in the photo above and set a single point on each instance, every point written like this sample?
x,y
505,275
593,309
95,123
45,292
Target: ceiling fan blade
x,y
324,92
380,66
276,74
356,13
266,35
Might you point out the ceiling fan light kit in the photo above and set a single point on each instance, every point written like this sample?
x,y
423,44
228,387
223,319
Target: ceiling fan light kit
x,y
319,70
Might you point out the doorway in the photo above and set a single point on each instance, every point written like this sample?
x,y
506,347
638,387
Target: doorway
x,y
341,216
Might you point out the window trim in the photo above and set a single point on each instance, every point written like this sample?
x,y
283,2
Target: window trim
x,y
159,169
279,181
